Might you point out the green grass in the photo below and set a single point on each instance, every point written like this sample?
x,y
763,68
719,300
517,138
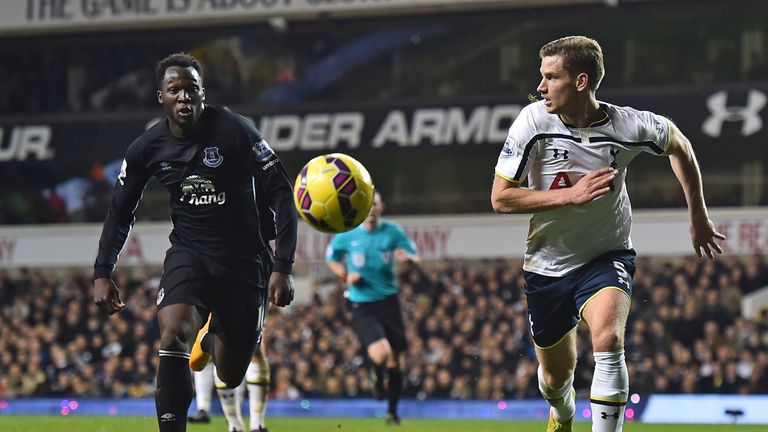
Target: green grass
x,y
140,424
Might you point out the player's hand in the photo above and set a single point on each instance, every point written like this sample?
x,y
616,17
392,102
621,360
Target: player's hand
x,y
354,278
107,296
592,185
401,255
703,235
281,289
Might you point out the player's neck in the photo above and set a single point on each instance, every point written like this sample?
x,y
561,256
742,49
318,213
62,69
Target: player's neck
x,y
584,113
371,226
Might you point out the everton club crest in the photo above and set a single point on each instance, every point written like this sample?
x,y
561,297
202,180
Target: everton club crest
x,y
211,157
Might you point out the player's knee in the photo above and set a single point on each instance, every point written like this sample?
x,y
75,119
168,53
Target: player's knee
x,y
607,339
228,378
380,352
557,378
177,337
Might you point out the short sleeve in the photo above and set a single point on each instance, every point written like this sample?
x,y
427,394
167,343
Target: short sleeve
x,y
405,242
654,130
336,249
514,161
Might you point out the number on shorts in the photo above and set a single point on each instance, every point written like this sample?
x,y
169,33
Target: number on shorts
x,y
622,273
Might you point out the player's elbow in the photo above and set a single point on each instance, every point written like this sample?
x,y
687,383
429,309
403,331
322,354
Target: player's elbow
x,y
499,205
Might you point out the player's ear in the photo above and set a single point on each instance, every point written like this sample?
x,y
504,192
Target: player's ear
x,y
582,81
202,94
160,96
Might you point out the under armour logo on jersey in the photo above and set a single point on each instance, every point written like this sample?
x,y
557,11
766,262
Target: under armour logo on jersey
x,y
211,157
749,115
556,153
604,415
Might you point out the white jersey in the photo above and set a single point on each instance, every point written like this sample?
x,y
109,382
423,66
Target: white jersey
x,y
553,155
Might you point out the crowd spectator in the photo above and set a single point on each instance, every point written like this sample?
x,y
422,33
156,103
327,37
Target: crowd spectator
x,y
467,328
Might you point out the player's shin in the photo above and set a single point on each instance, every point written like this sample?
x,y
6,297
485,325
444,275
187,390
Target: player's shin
x,y
610,387
394,388
257,379
561,400
231,403
174,391
203,387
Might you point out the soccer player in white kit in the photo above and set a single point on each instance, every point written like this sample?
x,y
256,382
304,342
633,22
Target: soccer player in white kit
x,y
573,150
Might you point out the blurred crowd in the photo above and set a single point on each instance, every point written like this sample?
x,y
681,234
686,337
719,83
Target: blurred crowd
x,y
467,329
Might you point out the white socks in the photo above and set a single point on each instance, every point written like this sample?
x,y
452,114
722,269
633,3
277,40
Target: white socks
x,y
610,387
231,403
561,401
204,388
257,380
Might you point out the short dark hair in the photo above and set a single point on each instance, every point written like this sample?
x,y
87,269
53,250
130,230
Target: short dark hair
x,y
580,54
183,60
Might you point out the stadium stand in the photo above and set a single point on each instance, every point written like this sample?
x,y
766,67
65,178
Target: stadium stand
x,y
466,323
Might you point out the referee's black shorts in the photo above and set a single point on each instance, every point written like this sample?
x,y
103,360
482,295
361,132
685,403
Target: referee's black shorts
x,y
380,319
232,289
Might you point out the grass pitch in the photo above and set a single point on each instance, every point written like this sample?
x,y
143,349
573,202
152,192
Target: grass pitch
x,y
10,423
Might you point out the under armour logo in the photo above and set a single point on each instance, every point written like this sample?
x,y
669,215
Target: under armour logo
x,y
556,153
749,115
604,415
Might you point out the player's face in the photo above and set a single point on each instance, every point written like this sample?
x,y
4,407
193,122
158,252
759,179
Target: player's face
x,y
557,87
182,95
376,209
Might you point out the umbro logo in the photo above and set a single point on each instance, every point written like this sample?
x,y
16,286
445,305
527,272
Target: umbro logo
x,y
165,166
167,417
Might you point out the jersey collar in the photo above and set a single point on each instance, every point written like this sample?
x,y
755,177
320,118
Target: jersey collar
x,y
602,121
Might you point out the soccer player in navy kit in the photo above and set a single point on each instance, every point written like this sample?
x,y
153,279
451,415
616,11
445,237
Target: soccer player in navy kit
x,y
229,195
365,259
579,262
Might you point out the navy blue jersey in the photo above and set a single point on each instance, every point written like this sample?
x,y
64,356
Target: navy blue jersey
x,y
229,193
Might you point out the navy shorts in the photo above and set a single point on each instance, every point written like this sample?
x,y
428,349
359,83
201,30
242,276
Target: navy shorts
x,y
379,320
554,303
232,289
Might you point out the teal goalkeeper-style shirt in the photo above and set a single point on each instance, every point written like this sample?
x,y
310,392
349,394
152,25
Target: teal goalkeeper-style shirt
x,y
372,255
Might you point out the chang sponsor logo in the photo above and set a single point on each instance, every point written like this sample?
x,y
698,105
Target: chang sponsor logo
x,y
197,190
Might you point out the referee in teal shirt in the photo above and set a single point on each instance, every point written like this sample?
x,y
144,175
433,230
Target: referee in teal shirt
x,y
365,258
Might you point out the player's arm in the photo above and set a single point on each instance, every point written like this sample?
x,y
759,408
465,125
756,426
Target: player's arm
x,y
508,196
337,268
405,250
516,160
335,260
686,169
117,225
275,187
